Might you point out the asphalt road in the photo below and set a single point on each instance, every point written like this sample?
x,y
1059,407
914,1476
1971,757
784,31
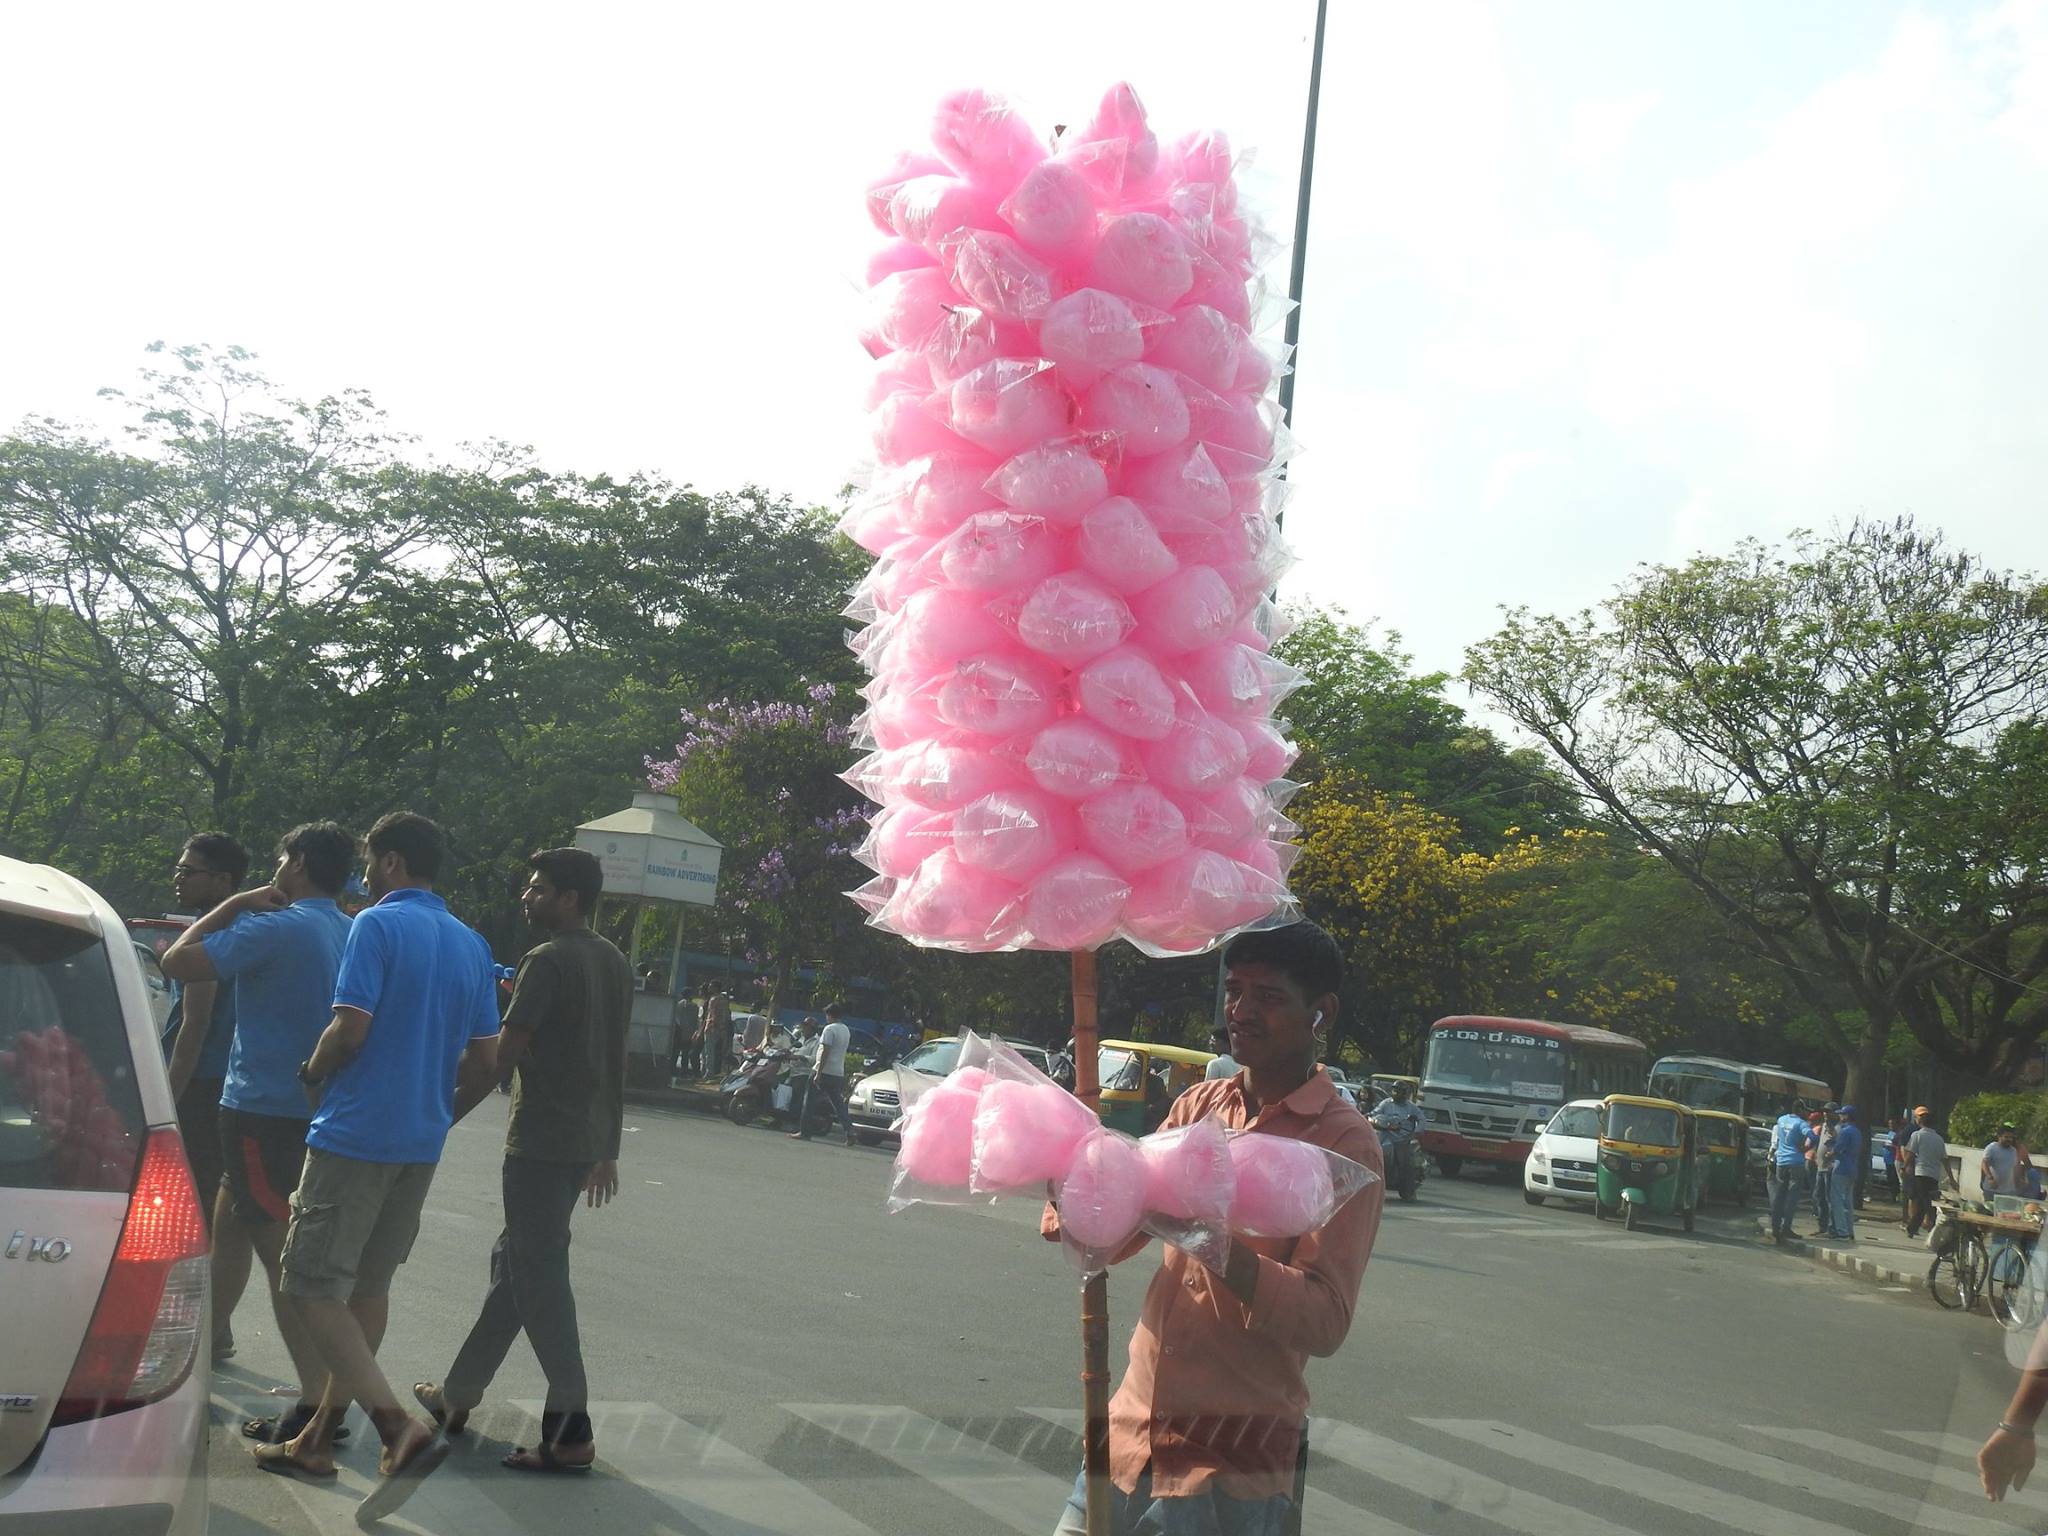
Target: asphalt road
x,y
771,1353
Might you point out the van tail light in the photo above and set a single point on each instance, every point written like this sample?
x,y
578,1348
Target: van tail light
x,y
146,1330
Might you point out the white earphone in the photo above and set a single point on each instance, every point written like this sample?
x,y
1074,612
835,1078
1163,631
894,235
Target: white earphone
x,y
1316,1022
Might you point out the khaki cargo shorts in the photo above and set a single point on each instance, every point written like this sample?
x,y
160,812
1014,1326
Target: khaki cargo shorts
x,y
353,1223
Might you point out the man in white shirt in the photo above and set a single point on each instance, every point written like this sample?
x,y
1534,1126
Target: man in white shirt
x,y
1926,1161
1222,1066
828,1075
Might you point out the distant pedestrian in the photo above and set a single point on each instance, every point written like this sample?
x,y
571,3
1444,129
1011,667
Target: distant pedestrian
x,y
2000,1172
564,1042
1824,1171
197,1038
714,1034
1925,1165
1822,1132
828,1076
415,1022
1221,1064
685,1056
1893,1147
1790,1140
1848,1155
277,948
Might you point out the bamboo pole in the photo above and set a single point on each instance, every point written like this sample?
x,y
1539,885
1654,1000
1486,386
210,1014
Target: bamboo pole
x,y
1095,1289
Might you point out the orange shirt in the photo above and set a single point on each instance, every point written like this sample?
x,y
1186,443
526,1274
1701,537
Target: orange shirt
x,y
1214,1391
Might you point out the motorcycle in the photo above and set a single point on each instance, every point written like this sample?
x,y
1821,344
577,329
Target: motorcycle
x,y
1403,1157
771,1081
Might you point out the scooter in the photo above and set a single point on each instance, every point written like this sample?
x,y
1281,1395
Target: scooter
x,y
770,1082
1403,1164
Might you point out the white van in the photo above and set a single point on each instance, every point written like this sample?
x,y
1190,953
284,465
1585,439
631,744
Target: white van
x,y
104,1257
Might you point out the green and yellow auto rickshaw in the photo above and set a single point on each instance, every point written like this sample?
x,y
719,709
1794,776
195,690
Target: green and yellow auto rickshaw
x,y
1724,1155
1649,1164
1140,1081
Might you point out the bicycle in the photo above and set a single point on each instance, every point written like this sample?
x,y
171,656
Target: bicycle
x,y
1961,1263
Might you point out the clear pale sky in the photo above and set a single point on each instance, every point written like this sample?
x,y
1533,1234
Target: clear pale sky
x,y
1590,283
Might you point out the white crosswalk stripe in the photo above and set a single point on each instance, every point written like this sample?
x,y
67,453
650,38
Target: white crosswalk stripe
x,y
660,1473
1323,1515
1770,1469
1954,1479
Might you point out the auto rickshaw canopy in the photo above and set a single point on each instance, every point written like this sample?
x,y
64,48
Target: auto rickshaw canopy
x,y
1633,1120
1722,1132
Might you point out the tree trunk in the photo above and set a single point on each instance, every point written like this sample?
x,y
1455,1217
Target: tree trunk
x,y
1864,1076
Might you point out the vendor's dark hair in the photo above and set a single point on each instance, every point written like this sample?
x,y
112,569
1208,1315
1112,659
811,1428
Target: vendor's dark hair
x,y
1302,952
571,869
223,855
329,850
418,841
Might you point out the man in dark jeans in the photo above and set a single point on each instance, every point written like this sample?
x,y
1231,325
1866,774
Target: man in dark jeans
x,y
565,1038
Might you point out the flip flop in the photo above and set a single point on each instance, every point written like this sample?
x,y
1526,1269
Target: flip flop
x,y
542,1458
394,1488
276,1428
430,1397
278,1459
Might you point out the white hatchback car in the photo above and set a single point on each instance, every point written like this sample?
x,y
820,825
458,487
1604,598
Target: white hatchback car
x,y
104,1345
1565,1161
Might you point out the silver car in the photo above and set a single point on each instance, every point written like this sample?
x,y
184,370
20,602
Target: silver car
x,y
104,1344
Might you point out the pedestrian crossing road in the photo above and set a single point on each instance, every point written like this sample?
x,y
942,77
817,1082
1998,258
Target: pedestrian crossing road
x,y
869,1469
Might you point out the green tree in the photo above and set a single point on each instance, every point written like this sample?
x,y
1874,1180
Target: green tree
x,y
1838,744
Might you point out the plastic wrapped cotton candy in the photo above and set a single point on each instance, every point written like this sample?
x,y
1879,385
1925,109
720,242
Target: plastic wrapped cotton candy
x,y
1286,1188
1189,1173
1025,1135
1072,512
938,1132
1102,1198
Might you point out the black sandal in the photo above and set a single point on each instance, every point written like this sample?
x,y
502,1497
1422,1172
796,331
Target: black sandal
x,y
279,1428
545,1458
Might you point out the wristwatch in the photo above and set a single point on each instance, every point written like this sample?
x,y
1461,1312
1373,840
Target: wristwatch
x,y
306,1074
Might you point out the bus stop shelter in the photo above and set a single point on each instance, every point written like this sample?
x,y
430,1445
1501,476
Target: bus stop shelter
x,y
657,863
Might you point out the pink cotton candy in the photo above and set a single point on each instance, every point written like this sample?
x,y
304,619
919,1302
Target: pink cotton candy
x,y
1073,758
1073,618
928,210
1142,405
904,168
1185,481
944,776
1009,404
1026,1134
898,256
1090,332
1133,827
1268,754
1012,832
999,276
1120,119
1200,755
1239,810
1057,481
937,492
900,719
1053,211
1120,548
899,373
938,1136
1228,679
1192,608
950,902
1284,1187
961,342
999,694
1189,1174
1124,691
940,626
908,306
996,551
904,837
1102,1198
1185,902
981,135
1076,902
909,426
1200,343
1141,256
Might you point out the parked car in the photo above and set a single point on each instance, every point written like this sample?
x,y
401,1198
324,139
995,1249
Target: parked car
x,y
105,1335
1880,1144
1565,1161
877,1099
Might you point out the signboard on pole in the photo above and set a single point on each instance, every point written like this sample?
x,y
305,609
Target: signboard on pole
x,y
651,852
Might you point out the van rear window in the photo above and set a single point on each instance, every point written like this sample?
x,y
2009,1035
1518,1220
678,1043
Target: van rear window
x,y
70,1111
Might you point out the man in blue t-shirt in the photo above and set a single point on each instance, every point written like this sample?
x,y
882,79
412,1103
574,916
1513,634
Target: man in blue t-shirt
x,y
197,1037
415,1021
1842,1187
1790,1139
276,950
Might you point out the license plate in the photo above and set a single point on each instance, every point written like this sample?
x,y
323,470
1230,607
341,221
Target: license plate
x,y
1486,1146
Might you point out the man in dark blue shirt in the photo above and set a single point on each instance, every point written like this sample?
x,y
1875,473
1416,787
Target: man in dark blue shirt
x,y
1842,1187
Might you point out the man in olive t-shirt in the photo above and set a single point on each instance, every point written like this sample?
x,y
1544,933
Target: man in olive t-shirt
x,y
565,1034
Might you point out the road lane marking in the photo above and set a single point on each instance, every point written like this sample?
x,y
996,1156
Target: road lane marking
x,y
1003,1488
1518,1233
1964,1483
1322,1514
712,1486
1638,1481
1771,1469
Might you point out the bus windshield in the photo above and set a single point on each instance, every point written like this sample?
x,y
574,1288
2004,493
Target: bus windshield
x,y
1698,1092
1503,1060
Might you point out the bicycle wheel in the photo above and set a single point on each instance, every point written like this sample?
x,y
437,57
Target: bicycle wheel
x,y
1943,1283
2012,1287
1973,1266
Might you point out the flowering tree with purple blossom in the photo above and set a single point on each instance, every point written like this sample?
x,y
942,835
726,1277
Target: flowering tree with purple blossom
x,y
763,778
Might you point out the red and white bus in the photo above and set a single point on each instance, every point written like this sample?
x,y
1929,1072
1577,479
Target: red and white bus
x,y
1490,1085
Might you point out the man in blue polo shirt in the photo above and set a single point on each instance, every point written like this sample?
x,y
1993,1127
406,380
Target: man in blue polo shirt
x,y
415,1020
276,949
1789,1140
1842,1187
